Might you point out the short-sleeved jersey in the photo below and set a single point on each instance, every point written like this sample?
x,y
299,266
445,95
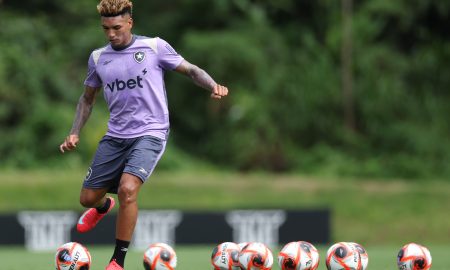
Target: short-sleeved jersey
x,y
133,85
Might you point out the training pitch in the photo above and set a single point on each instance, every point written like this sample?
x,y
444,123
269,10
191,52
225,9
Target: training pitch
x,y
198,258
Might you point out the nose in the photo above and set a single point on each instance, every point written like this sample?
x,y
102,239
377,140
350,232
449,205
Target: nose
x,y
110,34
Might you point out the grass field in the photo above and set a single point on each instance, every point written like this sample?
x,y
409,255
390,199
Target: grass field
x,y
368,211
379,214
198,257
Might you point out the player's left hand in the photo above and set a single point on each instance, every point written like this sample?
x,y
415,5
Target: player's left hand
x,y
219,91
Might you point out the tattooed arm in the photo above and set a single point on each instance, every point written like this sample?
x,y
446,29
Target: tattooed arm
x,y
202,79
84,109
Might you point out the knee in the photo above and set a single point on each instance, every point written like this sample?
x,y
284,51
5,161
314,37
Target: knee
x,y
87,200
90,199
127,193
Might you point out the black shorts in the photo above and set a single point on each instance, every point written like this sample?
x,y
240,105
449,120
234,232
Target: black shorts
x,y
114,156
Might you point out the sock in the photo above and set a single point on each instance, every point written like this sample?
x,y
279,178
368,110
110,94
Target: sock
x,y
120,251
103,209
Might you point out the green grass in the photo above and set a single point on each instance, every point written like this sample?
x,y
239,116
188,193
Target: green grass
x,y
369,211
198,257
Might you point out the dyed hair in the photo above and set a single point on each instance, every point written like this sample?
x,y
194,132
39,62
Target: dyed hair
x,y
112,8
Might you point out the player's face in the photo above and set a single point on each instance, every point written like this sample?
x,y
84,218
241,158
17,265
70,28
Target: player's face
x,y
118,30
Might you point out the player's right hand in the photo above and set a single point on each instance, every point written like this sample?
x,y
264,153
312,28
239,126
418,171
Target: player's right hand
x,y
69,143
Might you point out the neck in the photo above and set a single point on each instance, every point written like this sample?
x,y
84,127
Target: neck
x,y
126,45
129,39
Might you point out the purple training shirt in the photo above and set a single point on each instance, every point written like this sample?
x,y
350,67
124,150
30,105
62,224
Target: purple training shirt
x,y
133,86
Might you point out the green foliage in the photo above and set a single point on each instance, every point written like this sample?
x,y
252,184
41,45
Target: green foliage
x,y
282,63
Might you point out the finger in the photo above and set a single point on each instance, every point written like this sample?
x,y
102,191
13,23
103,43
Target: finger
x,y
219,91
71,145
71,142
224,91
214,91
61,148
216,96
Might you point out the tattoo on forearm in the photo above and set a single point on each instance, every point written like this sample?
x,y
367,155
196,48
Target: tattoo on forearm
x,y
201,78
84,109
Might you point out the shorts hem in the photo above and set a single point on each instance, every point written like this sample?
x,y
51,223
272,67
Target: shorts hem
x,y
94,187
143,179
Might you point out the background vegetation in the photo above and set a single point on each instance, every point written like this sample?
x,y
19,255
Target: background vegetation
x,y
314,89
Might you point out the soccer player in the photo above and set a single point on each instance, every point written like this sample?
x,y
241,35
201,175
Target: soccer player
x,y
130,70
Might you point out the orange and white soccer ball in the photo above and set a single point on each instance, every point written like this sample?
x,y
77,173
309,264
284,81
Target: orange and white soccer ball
x,y
363,253
413,256
160,256
299,255
343,255
73,256
226,256
242,245
255,256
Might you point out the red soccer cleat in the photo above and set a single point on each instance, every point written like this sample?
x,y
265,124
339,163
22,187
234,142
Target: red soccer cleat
x,y
113,266
91,217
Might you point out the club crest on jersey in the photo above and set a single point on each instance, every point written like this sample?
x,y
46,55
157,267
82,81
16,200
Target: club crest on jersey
x,y
139,57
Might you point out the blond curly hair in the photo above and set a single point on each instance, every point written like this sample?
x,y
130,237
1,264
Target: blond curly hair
x,y
111,8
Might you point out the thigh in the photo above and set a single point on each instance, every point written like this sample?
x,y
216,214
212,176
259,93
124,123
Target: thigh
x,y
107,165
143,156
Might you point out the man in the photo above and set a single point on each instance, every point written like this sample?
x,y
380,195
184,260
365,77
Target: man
x,y
130,71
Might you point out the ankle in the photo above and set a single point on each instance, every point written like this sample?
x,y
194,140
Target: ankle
x,y
104,208
120,251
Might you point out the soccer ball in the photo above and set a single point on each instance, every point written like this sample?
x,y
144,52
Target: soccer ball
x,y
413,256
226,256
255,256
343,255
73,256
242,245
363,253
299,255
160,256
